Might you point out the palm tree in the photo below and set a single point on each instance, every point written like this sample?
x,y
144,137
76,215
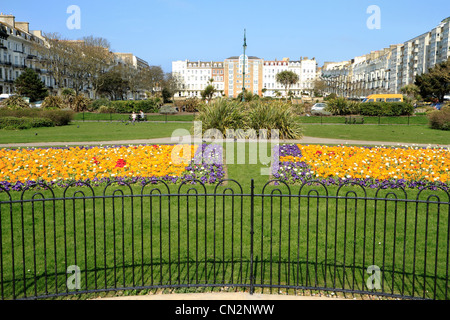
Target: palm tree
x,y
287,79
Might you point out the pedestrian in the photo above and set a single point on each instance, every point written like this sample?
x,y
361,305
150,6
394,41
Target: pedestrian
x,y
134,117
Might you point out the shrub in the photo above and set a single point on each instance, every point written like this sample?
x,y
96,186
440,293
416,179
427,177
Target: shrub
x,y
221,115
148,106
80,103
105,109
96,104
15,103
168,109
226,115
58,117
53,103
14,123
331,97
273,116
386,109
192,105
440,120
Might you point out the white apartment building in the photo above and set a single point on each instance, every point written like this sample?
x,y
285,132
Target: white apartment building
x,y
260,76
18,46
17,52
194,77
270,71
390,69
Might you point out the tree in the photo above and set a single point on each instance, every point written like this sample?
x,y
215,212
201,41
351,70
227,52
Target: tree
x,y
54,56
152,78
81,61
209,91
410,90
28,84
113,85
436,83
287,79
320,86
170,85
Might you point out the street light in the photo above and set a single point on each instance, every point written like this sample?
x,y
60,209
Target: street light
x,y
243,74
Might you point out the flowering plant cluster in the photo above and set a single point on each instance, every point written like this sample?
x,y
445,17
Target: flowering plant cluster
x,y
100,165
373,167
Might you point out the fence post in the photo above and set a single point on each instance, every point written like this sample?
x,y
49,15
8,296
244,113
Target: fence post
x,y
252,233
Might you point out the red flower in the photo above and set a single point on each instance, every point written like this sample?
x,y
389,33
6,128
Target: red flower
x,y
96,162
121,163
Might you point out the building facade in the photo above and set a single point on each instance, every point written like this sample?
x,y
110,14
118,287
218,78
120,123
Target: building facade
x,y
19,50
390,69
228,76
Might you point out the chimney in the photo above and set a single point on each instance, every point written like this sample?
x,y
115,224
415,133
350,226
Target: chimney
x,y
8,19
24,26
37,33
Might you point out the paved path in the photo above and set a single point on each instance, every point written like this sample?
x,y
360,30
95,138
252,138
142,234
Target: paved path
x,y
305,140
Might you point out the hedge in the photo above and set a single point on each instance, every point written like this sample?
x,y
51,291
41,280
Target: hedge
x,y
13,123
148,106
440,120
57,117
387,109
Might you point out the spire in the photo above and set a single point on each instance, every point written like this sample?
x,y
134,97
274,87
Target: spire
x,y
245,38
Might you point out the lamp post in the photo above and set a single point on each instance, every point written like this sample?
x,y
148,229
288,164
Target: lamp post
x,y
243,73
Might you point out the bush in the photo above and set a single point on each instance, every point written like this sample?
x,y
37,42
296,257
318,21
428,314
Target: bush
x,y
386,109
148,106
168,109
105,109
80,103
192,105
440,120
14,123
226,115
58,117
273,116
53,103
96,104
221,115
15,103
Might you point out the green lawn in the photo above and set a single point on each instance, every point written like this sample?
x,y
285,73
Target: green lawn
x,y
423,120
87,116
420,134
92,131
317,242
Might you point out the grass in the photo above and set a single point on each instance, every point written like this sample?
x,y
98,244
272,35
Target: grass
x,y
80,131
89,132
125,117
418,134
290,246
414,120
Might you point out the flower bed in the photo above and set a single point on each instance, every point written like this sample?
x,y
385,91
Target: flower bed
x,y
378,167
99,165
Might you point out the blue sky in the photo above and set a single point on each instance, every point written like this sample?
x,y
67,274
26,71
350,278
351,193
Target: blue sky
x,y
161,31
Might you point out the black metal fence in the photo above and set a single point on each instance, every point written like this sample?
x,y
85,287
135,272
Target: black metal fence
x,y
289,238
